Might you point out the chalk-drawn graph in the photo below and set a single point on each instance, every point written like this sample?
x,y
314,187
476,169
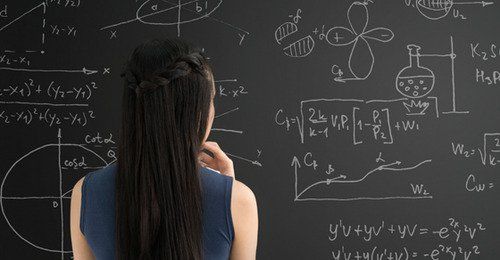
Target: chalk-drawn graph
x,y
175,13
345,188
438,9
361,57
57,166
38,39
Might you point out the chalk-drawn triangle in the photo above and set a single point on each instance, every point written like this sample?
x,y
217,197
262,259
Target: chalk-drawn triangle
x,y
24,32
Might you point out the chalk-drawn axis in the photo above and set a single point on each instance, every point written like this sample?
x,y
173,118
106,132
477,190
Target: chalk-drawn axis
x,y
342,179
62,195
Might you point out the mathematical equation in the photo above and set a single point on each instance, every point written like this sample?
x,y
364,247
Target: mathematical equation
x,y
453,240
375,120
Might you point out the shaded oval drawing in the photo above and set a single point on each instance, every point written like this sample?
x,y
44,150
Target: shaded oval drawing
x,y
434,9
285,30
300,48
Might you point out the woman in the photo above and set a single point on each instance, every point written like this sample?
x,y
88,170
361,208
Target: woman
x,y
165,197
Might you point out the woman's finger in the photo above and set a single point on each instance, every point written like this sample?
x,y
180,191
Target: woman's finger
x,y
224,164
205,157
215,149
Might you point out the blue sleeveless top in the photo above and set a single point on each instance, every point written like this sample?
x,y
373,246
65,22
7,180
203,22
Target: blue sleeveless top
x,y
97,214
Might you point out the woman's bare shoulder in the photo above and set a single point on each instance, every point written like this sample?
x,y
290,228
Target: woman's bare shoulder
x,y
245,222
243,196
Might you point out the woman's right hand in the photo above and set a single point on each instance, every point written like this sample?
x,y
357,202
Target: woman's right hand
x,y
219,162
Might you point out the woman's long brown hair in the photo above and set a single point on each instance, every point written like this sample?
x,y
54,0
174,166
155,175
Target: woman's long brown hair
x,y
166,103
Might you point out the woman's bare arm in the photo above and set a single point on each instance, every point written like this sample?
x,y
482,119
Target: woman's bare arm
x,y
81,249
243,204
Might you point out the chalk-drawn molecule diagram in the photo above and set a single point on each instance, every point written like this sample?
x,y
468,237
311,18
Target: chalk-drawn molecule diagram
x,y
437,9
297,48
361,57
50,171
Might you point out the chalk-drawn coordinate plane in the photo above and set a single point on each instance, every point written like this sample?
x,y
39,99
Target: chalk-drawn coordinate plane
x,y
343,187
58,166
438,9
176,13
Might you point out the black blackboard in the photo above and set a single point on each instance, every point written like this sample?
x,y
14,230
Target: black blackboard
x,y
367,130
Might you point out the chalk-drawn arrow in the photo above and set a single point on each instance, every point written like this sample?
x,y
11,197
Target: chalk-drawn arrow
x,y
483,3
254,162
342,178
328,181
83,70
295,162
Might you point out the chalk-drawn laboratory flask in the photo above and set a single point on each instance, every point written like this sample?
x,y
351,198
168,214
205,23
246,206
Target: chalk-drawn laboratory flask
x,y
415,81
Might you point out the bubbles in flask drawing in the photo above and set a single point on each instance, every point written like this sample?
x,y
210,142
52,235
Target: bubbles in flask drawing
x,y
415,81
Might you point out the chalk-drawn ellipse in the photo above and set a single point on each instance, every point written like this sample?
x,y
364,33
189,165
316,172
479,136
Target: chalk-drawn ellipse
x,y
174,13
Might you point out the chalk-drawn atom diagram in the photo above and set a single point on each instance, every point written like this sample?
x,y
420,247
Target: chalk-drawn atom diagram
x,y
361,57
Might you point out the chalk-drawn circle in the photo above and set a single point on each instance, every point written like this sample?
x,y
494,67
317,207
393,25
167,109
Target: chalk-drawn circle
x,y
174,14
44,199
